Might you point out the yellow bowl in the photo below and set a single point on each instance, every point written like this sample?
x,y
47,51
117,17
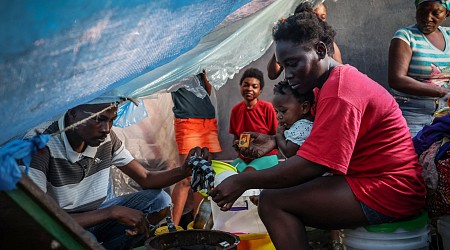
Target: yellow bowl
x,y
220,166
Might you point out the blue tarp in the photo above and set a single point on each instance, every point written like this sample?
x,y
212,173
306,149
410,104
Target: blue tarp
x,y
59,54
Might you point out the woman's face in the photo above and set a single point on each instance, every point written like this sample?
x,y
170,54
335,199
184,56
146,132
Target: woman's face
x,y
301,66
429,16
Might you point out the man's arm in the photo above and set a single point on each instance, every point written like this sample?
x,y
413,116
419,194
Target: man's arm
x,y
154,179
160,179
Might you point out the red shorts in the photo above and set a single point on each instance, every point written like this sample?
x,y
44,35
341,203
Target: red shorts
x,y
193,132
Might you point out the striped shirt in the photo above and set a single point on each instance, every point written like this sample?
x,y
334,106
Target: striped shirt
x,y
78,182
428,63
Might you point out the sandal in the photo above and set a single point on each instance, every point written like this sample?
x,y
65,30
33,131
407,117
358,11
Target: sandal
x,y
336,245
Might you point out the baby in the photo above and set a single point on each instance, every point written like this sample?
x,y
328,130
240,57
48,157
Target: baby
x,y
294,117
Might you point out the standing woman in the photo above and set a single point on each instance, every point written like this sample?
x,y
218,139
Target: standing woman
x,y
359,135
419,60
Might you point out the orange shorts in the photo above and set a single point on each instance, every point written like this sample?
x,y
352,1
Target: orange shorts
x,y
193,132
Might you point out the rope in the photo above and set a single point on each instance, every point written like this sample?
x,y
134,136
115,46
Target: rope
x,y
123,99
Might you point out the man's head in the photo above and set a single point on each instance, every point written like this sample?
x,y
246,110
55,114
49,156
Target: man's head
x,y
94,131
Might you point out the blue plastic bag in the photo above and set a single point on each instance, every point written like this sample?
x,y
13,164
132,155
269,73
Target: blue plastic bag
x,y
129,114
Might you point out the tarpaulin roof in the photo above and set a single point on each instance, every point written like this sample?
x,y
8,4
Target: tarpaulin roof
x,y
55,55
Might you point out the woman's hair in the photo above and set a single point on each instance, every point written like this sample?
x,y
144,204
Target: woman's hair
x,y
283,86
254,73
305,28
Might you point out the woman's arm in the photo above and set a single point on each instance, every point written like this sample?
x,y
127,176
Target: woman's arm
x,y
400,54
273,68
337,53
294,171
207,84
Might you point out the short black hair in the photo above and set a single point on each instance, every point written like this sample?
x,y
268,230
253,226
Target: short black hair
x,y
283,86
304,27
255,73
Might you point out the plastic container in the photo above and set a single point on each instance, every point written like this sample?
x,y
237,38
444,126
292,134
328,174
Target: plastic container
x,y
243,215
405,235
255,241
220,166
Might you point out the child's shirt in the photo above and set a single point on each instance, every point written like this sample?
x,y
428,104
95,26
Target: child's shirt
x,y
261,119
299,131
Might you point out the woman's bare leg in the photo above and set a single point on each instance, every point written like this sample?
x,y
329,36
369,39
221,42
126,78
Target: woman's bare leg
x,y
325,202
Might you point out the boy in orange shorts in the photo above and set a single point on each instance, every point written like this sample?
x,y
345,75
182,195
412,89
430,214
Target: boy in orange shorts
x,y
195,125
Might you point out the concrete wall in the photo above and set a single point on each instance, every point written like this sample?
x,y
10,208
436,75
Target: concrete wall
x,y
364,30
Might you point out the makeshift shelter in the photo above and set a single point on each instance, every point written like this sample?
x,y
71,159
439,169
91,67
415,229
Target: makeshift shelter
x,y
57,55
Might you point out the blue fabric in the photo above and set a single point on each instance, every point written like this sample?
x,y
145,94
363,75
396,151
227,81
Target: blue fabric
x,y
417,112
111,234
10,172
432,133
442,151
374,217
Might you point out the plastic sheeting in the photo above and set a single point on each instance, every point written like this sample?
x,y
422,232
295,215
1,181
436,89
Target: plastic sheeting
x,y
56,55
151,142
235,43
59,54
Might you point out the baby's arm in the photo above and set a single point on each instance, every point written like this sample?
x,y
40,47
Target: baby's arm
x,y
286,147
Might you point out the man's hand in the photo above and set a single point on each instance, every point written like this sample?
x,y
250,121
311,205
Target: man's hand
x,y
260,145
198,152
131,217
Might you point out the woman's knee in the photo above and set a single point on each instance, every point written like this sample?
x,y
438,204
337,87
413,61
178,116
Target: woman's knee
x,y
266,203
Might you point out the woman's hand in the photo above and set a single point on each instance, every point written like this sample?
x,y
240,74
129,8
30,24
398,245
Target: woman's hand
x,y
227,192
260,144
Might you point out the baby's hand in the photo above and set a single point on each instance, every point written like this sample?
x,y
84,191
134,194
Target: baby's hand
x,y
281,129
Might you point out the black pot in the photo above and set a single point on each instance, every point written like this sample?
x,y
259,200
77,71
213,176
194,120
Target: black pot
x,y
193,240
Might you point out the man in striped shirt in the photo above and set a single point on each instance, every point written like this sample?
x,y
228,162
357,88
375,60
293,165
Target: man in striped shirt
x,y
74,170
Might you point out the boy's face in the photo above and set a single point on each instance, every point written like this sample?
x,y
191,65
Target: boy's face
x,y
288,109
250,89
